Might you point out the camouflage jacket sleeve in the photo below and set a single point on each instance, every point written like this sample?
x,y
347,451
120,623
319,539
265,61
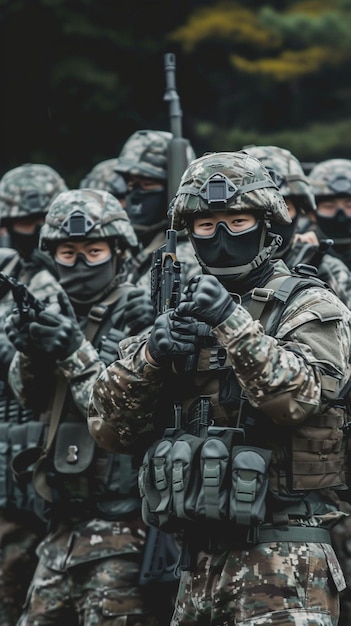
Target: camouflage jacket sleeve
x,y
123,398
290,377
81,369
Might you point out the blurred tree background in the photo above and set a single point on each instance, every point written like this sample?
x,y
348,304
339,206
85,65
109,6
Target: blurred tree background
x,y
79,76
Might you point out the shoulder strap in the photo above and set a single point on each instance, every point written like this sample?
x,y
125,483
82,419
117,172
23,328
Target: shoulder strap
x,y
99,311
277,292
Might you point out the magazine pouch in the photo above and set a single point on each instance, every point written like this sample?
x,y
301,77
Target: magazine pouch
x,y
154,481
249,485
215,477
186,477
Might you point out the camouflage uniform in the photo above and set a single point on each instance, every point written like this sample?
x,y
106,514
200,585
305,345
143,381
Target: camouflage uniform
x,y
331,179
293,184
89,563
145,154
286,381
25,191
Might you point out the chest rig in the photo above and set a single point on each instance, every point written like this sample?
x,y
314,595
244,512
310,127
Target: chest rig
x,y
224,460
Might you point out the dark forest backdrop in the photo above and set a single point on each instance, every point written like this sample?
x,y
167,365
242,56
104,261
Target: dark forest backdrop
x,y
79,76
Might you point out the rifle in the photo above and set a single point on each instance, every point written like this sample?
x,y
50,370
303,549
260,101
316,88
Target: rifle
x,y
24,299
161,552
165,268
177,160
165,275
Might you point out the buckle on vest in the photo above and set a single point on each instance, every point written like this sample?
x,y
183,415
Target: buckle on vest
x,y
97,312
262,295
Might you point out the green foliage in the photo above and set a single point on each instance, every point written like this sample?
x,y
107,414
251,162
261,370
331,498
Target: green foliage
x,y
79,77
226,21
312,143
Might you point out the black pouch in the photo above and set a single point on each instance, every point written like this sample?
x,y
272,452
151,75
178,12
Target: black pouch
x,y
186,475
214,492
249,485
74,448
154,481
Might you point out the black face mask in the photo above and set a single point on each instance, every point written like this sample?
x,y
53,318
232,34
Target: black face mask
x,y
83,280
146,208
227,249
336,227
24,243
286,231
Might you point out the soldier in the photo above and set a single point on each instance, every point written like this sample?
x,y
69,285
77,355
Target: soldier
x,y
89,562
245,374
25,194
143,163
289,176
104,176
331,184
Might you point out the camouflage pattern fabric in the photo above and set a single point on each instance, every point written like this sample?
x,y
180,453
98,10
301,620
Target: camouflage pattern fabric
x,y
341,536
104,177
287,173
288,380
18,541
145,154
105,217
27,190
290,584
80,580
122,407
252,187
24,191
126,393
331,177
88,570
17,564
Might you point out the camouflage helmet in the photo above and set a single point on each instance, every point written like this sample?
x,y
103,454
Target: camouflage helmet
x,y
28,190
86,214
287,172
104,176
145,153
331,178
227,180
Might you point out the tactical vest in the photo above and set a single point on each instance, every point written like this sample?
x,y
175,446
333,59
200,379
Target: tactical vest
x,y
189,474
72,475
312,456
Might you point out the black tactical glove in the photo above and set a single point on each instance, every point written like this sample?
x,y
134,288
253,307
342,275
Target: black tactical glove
x,y
138,312
57,334
207,300
18,332
172,336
